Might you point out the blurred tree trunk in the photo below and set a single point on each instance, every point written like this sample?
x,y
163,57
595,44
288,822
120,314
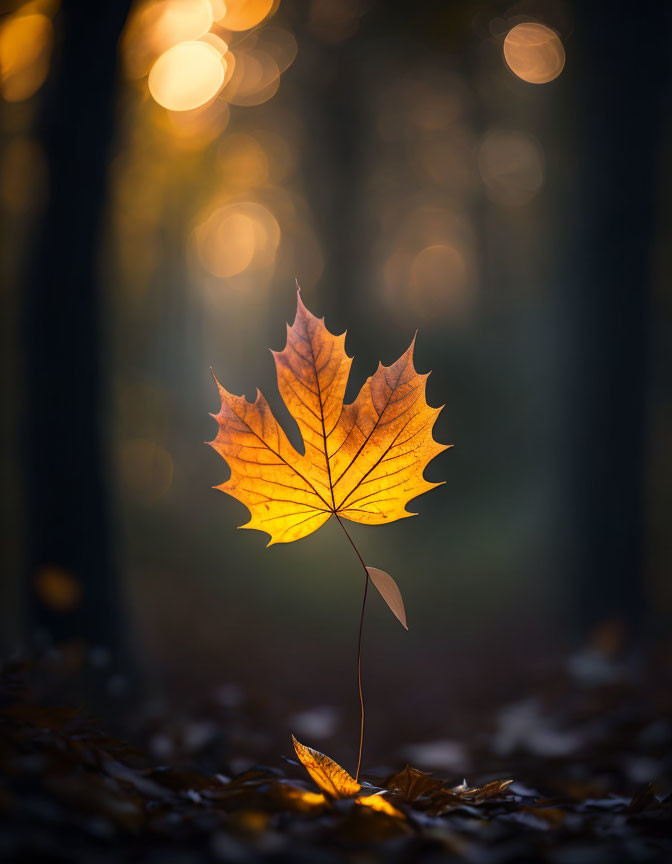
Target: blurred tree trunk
x,y
71,579
618,68
334,158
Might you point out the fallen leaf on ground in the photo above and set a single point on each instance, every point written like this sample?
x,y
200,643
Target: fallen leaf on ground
x,y
475,794
329,776
411,784
380,805
295,798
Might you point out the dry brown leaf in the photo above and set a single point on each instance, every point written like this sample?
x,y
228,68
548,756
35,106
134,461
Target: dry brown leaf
x,y
489,790
473,794
411,784
329,776
389,591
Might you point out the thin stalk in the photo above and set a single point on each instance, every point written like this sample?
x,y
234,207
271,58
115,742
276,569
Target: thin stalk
x,y
359,647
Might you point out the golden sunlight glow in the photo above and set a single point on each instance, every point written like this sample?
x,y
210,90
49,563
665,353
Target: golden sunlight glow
x,y
428,268
255,78
216,41
226,247
25,54
379,804
187,75
260,59
237,237
157,26
244,162
298,799
193,130
244,14
279,43
511,166
280,155
534,52
218,9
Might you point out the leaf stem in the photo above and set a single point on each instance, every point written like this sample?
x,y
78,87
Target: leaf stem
x,y
359,646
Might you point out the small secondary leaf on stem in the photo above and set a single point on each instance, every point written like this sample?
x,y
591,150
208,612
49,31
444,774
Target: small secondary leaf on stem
x,y
389,591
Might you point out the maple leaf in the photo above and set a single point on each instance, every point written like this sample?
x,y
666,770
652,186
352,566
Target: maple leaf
x,y
363,461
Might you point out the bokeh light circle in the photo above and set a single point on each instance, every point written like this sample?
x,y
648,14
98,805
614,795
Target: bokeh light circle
x,y
156,26
245,14
534,52
228,247
25,52
187,75
237,237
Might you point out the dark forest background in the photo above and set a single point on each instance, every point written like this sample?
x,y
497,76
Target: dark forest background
x,y
544,311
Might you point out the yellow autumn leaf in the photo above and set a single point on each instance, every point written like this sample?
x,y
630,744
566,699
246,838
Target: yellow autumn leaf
x,y
329,776
296,799
363,461
379,804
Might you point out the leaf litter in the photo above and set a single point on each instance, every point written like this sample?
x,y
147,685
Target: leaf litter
x,y
71,791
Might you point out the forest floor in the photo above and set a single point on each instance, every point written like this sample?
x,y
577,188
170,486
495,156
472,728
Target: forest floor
x,y
582,776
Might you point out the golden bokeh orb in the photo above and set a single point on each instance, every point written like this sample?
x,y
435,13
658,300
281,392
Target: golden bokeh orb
x,y
187,75
534,52
245,14
154,27
25,54
237,237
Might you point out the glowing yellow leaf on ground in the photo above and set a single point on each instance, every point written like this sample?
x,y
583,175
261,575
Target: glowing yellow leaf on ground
x,y
363,461
380,805
296,799
329,776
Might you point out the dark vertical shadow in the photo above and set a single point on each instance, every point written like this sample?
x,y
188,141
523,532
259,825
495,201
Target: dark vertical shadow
x,y
618,66
66,507
334,155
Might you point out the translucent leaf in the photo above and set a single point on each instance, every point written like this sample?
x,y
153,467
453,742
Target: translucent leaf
x,y
363,461
329,776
